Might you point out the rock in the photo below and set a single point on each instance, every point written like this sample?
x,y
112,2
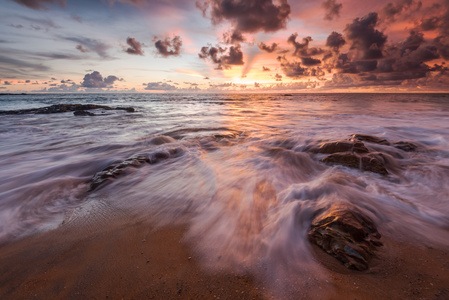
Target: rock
x,y
370,139
116,169
363,162
119,168
82,113
346,234
405,146
341,146
61,108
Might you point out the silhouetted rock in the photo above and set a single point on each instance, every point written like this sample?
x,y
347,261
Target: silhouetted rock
x,y
82,113
405,146
61,108
370,139
346,234
363,162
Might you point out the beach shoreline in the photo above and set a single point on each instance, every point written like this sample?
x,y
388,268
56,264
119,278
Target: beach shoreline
x,y
132,259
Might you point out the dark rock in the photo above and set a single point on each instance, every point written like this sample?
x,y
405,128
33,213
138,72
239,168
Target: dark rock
x,y
364,162
341,146
82,113
116,169
370,139
61,108
405,146
346,234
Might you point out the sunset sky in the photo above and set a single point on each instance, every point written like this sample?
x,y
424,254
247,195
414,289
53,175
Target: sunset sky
x,y
224,45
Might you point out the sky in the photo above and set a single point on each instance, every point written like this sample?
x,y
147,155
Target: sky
x,y
180,46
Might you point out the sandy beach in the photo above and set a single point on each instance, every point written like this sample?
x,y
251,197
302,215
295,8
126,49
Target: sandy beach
x,y
124,259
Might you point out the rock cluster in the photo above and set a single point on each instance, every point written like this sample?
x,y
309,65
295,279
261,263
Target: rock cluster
x,y
353,152
61,108
347,234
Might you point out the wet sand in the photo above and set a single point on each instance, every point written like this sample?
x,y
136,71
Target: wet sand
x,y
132,260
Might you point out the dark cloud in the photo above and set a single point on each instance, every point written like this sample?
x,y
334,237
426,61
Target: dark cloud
x,y
391,10
335,41
7,82
134,46
303,49
248,15
95,80
309,61
223,57
265,69
366,39
81,48
160,86
27,81
233,37
278,77
39,4
167,47
90,44
264,47
332,9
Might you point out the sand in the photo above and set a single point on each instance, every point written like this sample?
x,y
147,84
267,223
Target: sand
x,y
125,259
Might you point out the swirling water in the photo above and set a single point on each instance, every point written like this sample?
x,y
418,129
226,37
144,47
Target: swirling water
x,y
243,182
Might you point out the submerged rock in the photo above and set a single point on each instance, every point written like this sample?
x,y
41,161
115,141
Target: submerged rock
x,y
346,234
363,162
116,169
61,108
405,146
370,139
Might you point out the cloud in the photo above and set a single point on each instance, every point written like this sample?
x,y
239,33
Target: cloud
x,y
82,49
309,61
265,69
20,64
160,86
391,10
233,37
264,47
134,46
248,15
294,69
278,77
39,4
7,82
167,47
335,41
223,57
365,38
302,49
95,80
91,45
332,9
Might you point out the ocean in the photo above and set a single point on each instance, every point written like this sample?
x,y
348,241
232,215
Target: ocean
x,y
235,168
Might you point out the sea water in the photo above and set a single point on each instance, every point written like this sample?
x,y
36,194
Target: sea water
x,y
243,181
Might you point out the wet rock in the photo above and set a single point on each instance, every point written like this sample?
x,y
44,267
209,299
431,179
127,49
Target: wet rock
x,y
116,169
347,234
61,108
370,139
367,162
82,113
405,146
341,146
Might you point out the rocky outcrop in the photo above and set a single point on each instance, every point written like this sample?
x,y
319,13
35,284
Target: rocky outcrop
x,y
119,168
341,146
366,162
61,108
370,139
347,234
83,113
